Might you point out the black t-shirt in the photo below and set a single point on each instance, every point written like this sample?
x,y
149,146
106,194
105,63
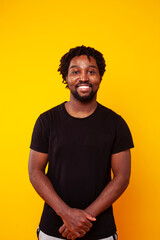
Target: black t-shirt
x,y
79,154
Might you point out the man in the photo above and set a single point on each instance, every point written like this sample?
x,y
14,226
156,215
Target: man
x,y
82,141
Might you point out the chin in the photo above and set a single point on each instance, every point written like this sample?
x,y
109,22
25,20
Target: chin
x,y
85,98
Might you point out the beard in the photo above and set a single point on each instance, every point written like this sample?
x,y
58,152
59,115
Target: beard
x,y
86,98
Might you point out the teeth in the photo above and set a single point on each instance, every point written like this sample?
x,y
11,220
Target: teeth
x,y
84,87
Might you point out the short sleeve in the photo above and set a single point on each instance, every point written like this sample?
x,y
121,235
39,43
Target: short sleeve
x,y
123,138
40,135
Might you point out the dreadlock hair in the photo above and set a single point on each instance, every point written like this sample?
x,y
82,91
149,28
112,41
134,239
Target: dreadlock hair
x,y
78,51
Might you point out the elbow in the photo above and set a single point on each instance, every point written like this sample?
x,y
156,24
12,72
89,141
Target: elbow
x,y
35,175
31,176
126,182
123,182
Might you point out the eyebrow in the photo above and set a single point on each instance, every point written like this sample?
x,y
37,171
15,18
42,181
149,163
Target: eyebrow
x,y
73,66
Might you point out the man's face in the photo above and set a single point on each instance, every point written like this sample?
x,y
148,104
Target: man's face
x,y
83,78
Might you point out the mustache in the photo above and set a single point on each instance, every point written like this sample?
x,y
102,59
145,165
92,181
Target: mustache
x,y
81,83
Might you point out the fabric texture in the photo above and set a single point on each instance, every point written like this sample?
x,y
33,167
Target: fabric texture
x,y
79,154
43,236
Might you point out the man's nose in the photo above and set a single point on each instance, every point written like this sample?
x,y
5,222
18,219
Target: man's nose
x,y
84,76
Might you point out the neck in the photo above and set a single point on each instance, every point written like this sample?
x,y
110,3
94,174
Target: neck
x,y
80,109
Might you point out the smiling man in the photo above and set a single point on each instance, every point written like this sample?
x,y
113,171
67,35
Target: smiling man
x,y
83,78
82,141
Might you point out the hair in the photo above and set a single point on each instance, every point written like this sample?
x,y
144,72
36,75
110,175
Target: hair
x,y
78,51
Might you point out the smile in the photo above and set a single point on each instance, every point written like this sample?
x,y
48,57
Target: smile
x,y
84,85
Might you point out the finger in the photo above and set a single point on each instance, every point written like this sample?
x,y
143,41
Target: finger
x,y
85,228
88,223
65,233
62,228
82,233
90,217
74,237
69,236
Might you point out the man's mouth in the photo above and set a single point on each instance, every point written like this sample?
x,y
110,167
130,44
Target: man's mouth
x,y
84,86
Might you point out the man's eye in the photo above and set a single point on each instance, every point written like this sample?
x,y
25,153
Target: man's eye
x,y
75,72
91,72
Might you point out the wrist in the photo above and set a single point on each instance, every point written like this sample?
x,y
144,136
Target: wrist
x,y
91,211
63,211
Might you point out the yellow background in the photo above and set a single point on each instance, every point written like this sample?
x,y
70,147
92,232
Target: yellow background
x,y
34,36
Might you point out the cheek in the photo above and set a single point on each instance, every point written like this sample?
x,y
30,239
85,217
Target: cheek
x,y
96,81
72,81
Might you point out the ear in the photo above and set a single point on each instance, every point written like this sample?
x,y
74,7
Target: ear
x,y
66,82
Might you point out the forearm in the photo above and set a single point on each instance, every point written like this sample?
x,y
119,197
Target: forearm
x,y
108,196
45,189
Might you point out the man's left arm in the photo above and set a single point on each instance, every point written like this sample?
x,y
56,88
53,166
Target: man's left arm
x,y
121,167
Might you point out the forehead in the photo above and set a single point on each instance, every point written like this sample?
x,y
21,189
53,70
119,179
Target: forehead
x,y
83,61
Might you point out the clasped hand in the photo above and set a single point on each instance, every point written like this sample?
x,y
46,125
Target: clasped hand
x,y
76,223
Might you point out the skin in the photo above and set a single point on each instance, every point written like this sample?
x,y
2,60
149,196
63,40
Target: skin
x,y
81,71
77,222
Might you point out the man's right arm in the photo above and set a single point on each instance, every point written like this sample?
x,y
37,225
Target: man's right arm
x,y
75,220
41,183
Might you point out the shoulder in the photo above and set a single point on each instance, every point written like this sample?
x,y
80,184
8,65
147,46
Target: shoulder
x,y
109,113
49,114
112,119
122,135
